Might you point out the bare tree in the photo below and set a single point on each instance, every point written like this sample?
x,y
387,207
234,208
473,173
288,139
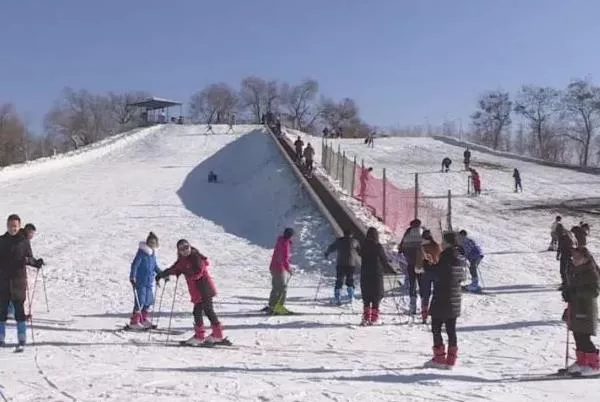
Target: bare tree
x,y
519,143
581,103
339,115
538,105
125,115
213,103
299,103
13,136
492,118
259,96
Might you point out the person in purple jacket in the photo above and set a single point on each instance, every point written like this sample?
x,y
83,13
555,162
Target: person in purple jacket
x,y
474,256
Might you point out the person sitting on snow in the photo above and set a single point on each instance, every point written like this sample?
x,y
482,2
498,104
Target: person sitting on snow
x,y
474,256
212,177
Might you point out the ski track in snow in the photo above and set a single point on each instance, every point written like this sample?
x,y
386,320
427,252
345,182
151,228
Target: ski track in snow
x,y
92,210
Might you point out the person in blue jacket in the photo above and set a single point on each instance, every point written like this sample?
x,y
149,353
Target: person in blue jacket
x,y
143,272
474,256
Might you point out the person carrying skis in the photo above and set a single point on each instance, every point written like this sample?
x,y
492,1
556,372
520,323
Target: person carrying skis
x,y
194,267
474,255
298,145
563,254
15,255
371,276
348,259
446,162
467,159
581,293
412,248
281,272
517,176
554,234
431,256
141,276
309,153
445,308
476,180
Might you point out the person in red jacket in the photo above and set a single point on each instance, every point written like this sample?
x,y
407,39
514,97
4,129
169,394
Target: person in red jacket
x,y
280,273
194,267
476,179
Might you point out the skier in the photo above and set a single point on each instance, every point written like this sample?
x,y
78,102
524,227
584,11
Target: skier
x,y
298,145
28,232
581,292
370,140
476,180
15,254
474,256
554,234
212,177
309,153
371,276
563,254
517,177
231,123
412,248
209,129
446,162
348,259
467,159
363,180
580,235
194,266
141,276
431,256
446,302
281,272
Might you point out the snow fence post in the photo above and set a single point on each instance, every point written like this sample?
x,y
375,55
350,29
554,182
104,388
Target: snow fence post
x,y
363,191
416,195
323,150
353,178
343,168
449,213
384,196
337,162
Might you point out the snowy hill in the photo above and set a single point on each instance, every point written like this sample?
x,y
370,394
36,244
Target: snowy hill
x,y
91,214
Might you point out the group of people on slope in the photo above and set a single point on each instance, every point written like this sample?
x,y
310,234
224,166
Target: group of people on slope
x,y
304,155
15,256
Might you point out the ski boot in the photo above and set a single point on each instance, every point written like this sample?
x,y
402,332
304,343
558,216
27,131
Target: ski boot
x,y
198,337
144,320
350,290
135,322
439,358
451,356
337,298
592,364
366,319
473,287
217,334
580,362
21,334
375,317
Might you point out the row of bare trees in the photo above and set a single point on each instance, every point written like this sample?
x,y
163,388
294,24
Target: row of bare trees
x,y
554,124
299,106
77,118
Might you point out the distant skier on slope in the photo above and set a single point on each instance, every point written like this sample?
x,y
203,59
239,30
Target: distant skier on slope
x,y
476,180
212,177
554,234
348,259
371,276
517,176
581,293
412,248
194,267
446,162
474,255
15,254
364,182
141,276
431,256
298,146
467,159
445,308
281,272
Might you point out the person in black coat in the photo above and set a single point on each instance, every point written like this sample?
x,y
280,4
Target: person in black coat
x,y
517,177
348,259
15,255
446,162
371,276
445,307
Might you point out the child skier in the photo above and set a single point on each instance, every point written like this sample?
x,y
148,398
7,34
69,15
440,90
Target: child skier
x,y
431,256
141,276
474,255
280,273
411,246
446,302
371,276
348,259
581,292
194,267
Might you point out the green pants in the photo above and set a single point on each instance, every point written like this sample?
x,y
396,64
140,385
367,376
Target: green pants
x,y
278,288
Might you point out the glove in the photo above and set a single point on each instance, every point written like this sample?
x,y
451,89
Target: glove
x,y
132,281
38,263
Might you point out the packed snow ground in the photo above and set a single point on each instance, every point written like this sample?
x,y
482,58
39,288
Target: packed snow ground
x,y
92,213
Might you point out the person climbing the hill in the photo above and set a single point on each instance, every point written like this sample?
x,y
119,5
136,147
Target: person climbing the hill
x,y
580,235
517,177
309,153
298,146
194,267
554,234
412,248
431,256
563,254
28,231
371,276
446,162
348,259
445,308
364,182
281,272
476,180
581,293
15,255
467,159
474,255
141,276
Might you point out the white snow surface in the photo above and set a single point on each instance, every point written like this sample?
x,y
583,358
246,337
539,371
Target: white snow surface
x,y
91,214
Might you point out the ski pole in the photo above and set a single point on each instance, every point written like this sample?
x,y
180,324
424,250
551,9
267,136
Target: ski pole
x,y
319,285
172,308
45,290
158,313
31,303
568,337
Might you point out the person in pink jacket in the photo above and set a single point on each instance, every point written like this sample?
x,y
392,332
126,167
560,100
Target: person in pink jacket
x,y
280,272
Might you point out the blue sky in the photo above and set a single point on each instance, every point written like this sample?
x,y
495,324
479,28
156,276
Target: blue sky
x,y
403,61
